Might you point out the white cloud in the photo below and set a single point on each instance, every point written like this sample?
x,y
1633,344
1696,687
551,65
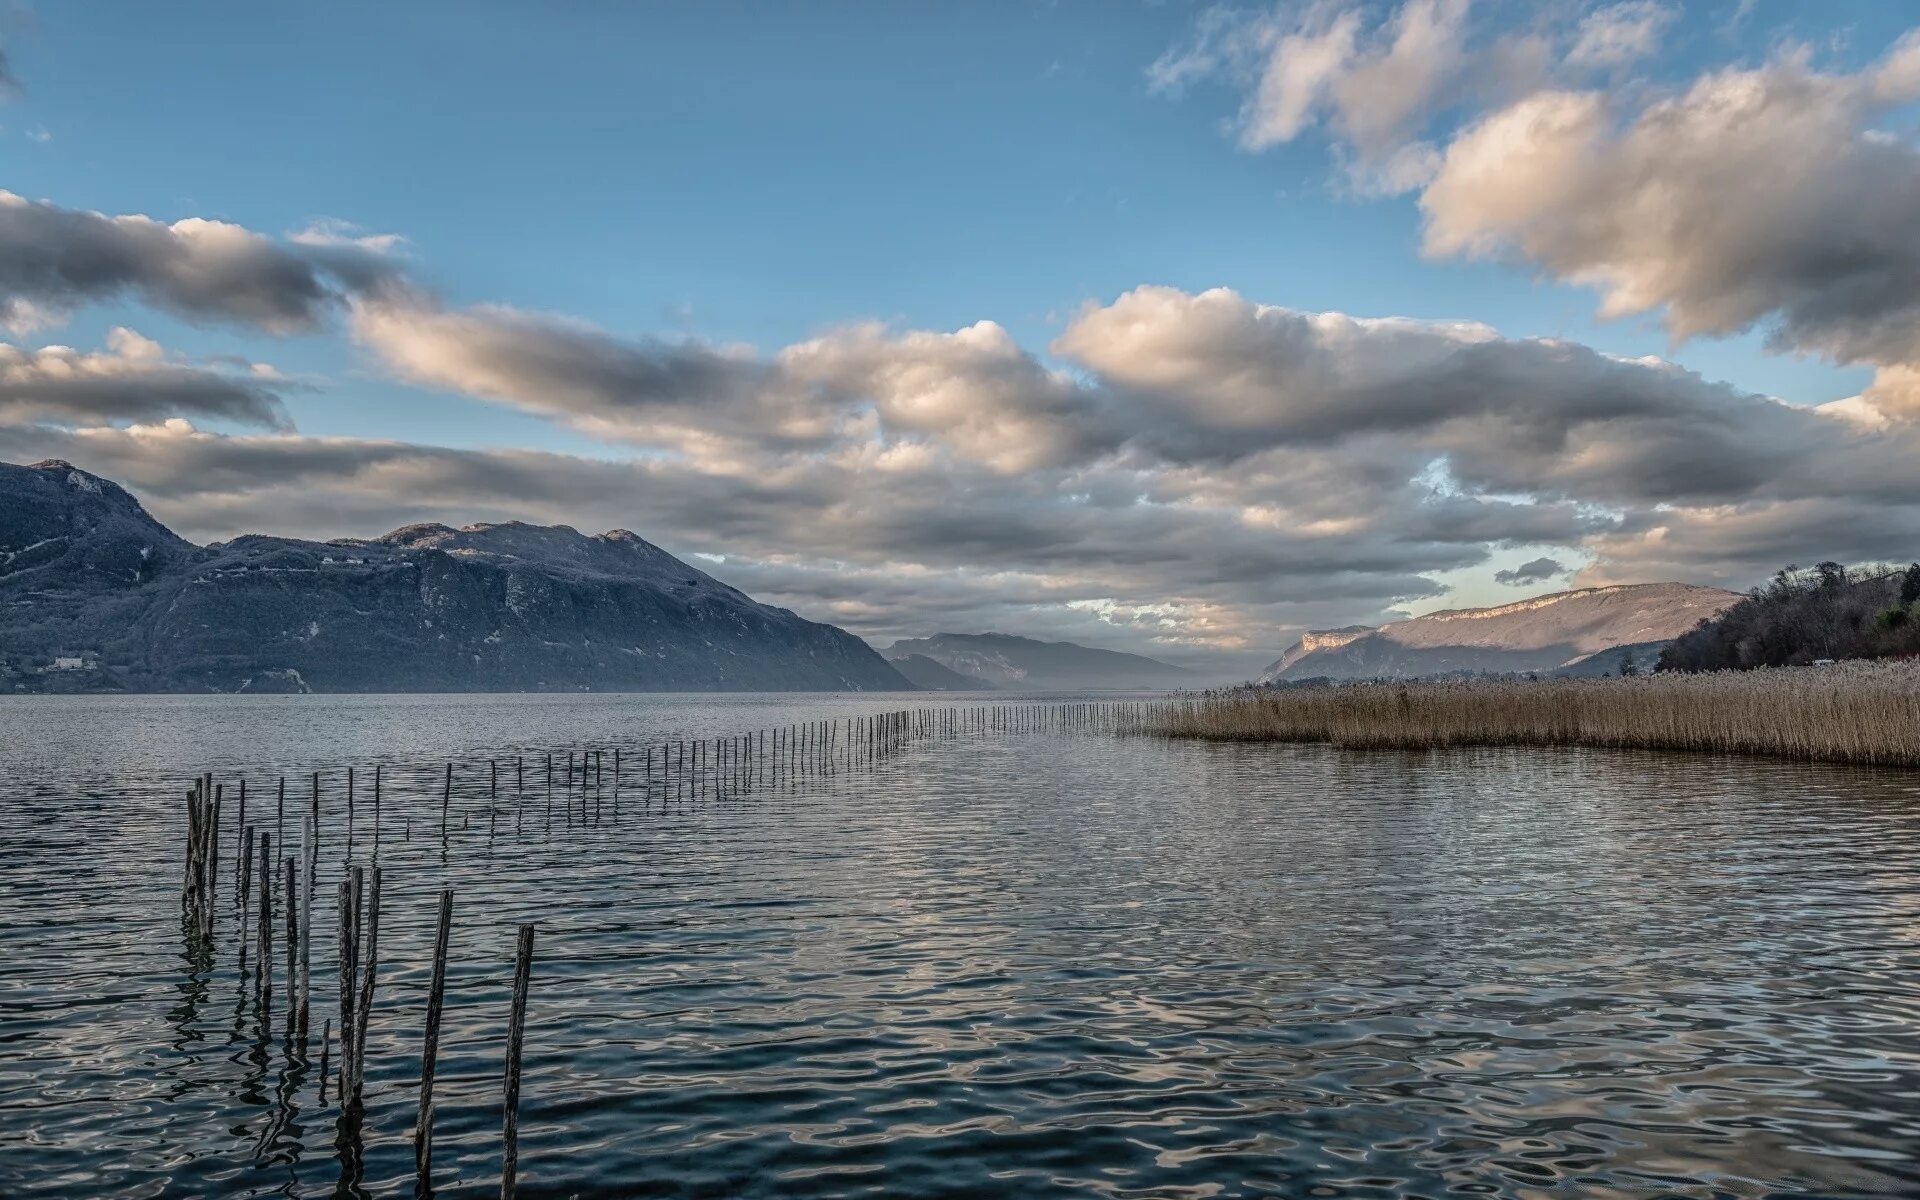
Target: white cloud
x,y
1761,197
1768,197
334,233
1620,34
1380,81
1298,80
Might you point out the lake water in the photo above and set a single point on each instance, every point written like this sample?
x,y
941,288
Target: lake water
x,y
996,964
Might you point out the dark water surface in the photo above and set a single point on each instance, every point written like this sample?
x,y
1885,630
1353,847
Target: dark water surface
x,y
1013,965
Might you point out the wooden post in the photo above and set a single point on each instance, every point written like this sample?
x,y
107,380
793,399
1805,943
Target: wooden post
x,y
242,875
430,1053
349,928
363,1009
246,852
263,978
516,1031
310,853
212,863
290,901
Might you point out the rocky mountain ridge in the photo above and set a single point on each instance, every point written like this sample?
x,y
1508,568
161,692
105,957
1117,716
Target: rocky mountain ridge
x,y
923,672
1000,660
1584,630
95,594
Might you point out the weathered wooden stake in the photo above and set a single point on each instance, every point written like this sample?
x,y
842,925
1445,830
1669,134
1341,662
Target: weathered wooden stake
x,y
430,1053
290,902
346,927
363,1009
263,977
516,1031
310,854
246,854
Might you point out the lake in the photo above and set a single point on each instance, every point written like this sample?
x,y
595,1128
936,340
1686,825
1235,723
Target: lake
x,y
1019,964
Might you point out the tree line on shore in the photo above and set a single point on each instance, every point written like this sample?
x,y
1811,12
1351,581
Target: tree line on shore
x,y
1808,615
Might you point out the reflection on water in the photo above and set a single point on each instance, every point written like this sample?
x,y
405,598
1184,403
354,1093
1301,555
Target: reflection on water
x,y
1000,965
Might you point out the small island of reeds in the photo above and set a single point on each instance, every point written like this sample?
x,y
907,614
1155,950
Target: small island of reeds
x,y
1855,712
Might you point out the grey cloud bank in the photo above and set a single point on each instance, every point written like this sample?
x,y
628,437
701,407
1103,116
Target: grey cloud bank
x,y
54,259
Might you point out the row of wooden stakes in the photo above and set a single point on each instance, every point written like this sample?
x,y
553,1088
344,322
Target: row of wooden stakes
x,y
686,770
358,911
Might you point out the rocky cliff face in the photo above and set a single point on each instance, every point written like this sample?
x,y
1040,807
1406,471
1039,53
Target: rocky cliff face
x,y
1314,641
94,593
1003,661
1566,631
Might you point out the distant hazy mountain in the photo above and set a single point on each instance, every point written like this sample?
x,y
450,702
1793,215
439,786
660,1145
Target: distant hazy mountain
x,y
95,593
1004,661
924,672
1585,631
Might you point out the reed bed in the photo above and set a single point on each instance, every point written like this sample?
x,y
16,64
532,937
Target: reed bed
x,y
1855,712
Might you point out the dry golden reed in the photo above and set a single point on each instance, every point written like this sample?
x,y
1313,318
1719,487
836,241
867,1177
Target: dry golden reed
x,y
1855,712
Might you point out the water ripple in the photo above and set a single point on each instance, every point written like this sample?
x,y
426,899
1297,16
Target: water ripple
x,y
1035,965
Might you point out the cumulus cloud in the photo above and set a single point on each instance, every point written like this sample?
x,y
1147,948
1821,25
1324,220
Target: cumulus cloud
x,y
1769,197
973,393
1760,196
636,389
1214,377
1737,544
1166,380
1534,571
1380,80
1304,66
55,259
132,380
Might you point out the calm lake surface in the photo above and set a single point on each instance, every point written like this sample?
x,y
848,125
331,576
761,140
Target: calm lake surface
x,y
1003,964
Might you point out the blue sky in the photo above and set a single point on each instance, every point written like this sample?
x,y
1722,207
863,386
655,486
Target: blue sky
x,y
761,174
757,172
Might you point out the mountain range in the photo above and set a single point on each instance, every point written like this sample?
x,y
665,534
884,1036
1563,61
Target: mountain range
x,y
95,594
1000,660
929,675
1585,631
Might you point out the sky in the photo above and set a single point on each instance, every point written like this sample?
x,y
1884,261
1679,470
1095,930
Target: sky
x,y
1172,328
